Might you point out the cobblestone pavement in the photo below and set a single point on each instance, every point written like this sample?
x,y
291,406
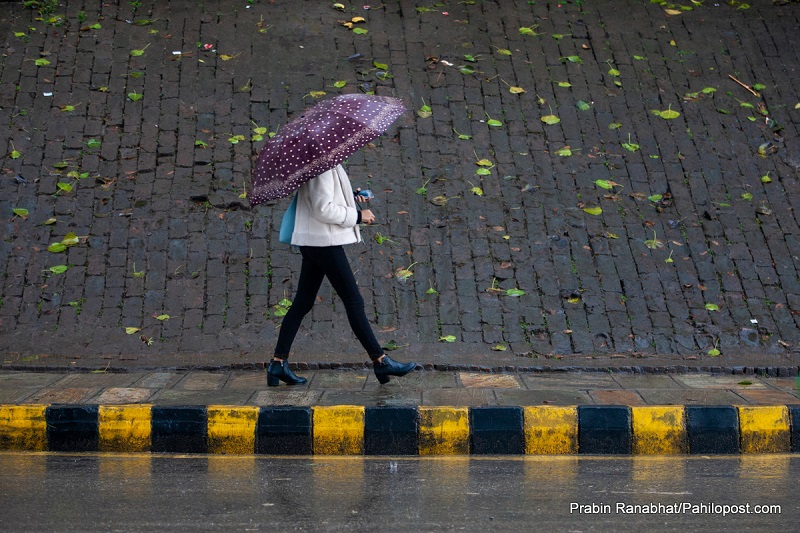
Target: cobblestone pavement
x,y
129,141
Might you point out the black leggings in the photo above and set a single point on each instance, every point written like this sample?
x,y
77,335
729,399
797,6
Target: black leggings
x,y
331,262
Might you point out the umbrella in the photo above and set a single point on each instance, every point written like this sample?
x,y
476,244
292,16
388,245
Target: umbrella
x,y
318,140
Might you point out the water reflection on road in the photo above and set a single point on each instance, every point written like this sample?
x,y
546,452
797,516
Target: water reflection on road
x,y
62,492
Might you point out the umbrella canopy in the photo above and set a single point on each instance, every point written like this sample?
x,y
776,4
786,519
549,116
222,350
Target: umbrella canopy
x,y
318,140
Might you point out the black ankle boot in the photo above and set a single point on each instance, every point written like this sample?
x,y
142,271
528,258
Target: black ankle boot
x,y
279,371
390,367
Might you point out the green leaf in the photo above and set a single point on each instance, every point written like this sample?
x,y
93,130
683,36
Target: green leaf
x,y
93,143
136,75
16,154
201,144
550,119
137,53
708,90
59,269
467,69
558,36
499,348
606,184
640,58
583,106
431,291
448,338
572,59
515,293
504,51
631,147
42,62
360,31
424,111
477,191
469,57
380,66
484,163
70,239
339,84
163,317
260,131
131,331
134,96
390,346
593,210
712,307
66,187
21,212
747,196
56,248
483,172
529,31
615,125
667,114
655,197
494,123
564,152
564,84
759,87
614,72
654,243
714,352
60,165
766,179
50,221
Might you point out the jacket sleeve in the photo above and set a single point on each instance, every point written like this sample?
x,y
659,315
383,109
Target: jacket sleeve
x,y
322,195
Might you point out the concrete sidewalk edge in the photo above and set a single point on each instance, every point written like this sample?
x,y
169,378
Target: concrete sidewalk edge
x,y
772,371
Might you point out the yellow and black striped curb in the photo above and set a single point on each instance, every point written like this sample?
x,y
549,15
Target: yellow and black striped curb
x,y
356,430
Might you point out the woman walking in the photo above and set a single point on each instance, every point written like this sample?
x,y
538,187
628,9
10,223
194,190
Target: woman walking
x,y
326,219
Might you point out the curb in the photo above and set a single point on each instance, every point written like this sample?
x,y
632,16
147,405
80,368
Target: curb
x,y
357,430
770,371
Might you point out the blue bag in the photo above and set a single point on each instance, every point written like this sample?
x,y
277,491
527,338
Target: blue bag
x,y
287,224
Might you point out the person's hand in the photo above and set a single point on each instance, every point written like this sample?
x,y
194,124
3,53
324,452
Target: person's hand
x,y
359,198
367,217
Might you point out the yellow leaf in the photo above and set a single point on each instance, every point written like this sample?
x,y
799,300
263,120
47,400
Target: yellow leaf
x,y
338,6
227,57
347,24
356,20
593,210
131,331
317,94
672,12
673,43
516,90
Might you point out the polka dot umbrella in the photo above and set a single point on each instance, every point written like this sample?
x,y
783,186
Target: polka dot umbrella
x,y
318,140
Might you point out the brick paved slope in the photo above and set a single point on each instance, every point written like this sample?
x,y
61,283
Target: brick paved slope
x,y
162,228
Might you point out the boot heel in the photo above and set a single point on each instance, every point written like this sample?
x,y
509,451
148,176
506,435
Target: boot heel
x,y
383,379
272,381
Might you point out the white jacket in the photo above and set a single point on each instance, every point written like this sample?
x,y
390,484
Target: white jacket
x,y
326,212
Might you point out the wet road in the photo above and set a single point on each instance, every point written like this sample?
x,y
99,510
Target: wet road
x,y
59,492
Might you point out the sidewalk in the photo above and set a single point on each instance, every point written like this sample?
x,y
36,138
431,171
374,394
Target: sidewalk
x,y
345,412
431,388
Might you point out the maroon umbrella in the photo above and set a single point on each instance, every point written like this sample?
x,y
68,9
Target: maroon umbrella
x,y
318,140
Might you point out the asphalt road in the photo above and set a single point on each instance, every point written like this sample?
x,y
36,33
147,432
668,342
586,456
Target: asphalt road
x,y
59,492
